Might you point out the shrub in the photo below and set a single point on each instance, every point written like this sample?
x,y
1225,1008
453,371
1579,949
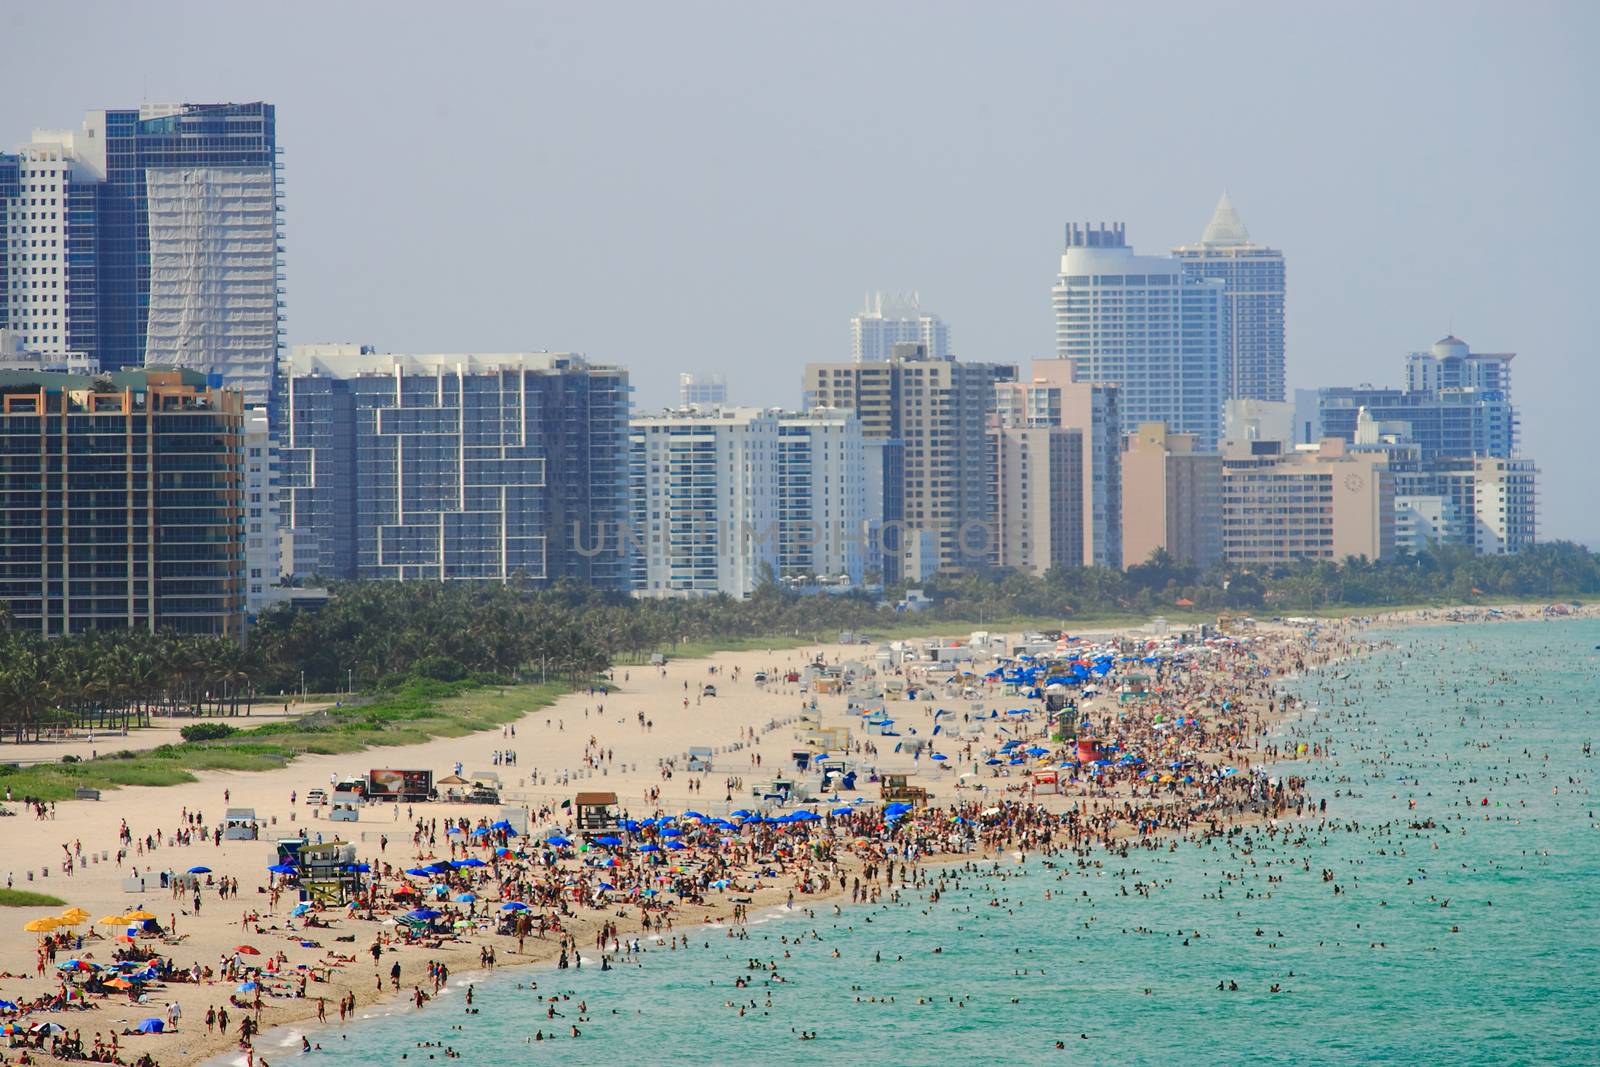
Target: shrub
x,y
207,731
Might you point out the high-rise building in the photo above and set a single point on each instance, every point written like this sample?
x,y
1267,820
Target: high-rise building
x,y
1171,498
504,468
705,492
149,237
702,390
1280,505
1049,397
898,318
1457,404
120,502
823,518
1254,279
262,562
938,410
1039,508
1145,324
14,356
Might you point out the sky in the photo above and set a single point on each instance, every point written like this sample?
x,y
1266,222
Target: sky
x,y
714,187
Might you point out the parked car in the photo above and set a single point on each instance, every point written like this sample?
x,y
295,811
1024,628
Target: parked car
x,y
317,796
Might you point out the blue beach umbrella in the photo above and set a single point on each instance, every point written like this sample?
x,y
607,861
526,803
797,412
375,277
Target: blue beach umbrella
x,y
514,905
281,868
558,841
608,841
199,870
151,1025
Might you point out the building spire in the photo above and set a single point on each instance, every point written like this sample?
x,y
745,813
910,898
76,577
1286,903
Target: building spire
x,y
1225,227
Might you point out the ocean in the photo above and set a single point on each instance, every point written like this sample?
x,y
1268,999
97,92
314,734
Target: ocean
x,y
1465,930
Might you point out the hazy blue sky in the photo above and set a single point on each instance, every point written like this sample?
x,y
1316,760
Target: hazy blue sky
x,y
681,186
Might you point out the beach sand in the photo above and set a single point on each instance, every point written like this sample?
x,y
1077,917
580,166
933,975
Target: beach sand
x,y
551,745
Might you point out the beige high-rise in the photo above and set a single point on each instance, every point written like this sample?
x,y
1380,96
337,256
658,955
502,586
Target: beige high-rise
x,y
1325,504
1039,507
1049,397
1171,498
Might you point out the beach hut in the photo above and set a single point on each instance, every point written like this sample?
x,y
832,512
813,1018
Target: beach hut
x,y
240,824
1046,780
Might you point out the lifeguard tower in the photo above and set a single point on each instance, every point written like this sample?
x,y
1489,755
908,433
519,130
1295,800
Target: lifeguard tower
x,y
327,874
896,788
595,814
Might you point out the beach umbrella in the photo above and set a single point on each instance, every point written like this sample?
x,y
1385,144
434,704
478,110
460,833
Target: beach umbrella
x,y
138,916
423,914
940,756
609,842
558,841
440,867
282,868
404,891
151,1025
39,926
48,1029
841,811
514,905
453,830
247,950
420,872
677,845
670,832
110,920
360,868
505,828
119,983
199,870
6,1005
248,987
74,915
465,898
473,862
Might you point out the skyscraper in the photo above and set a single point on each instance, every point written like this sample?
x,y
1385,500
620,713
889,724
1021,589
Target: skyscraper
x,y
1144,324
938,410
1254,277
1049,399
705,492
149,236
894,319
453,467
120,507
702,390
823,511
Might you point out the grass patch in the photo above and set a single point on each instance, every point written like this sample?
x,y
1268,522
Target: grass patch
x,y
418,712
22,898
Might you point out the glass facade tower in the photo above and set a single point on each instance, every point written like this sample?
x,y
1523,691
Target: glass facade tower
x,y
505,468
157,236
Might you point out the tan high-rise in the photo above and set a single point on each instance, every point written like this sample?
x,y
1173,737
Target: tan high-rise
x,y
1326,504
1171,498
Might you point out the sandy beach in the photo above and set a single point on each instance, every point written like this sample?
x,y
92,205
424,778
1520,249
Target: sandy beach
x,y
633,741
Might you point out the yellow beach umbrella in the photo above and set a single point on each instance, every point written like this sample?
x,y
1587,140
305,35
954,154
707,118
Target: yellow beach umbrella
x,y
138,916
112,920
76,915
39,926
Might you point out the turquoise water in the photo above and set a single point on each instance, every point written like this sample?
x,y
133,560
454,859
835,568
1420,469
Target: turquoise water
x,y
1381,971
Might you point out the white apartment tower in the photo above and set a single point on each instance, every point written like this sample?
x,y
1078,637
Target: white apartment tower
x,y
896,318
824,522
1254,276
261,549
1146,325
705,502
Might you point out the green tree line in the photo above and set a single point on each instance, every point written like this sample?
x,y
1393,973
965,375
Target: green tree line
x,y
376,635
